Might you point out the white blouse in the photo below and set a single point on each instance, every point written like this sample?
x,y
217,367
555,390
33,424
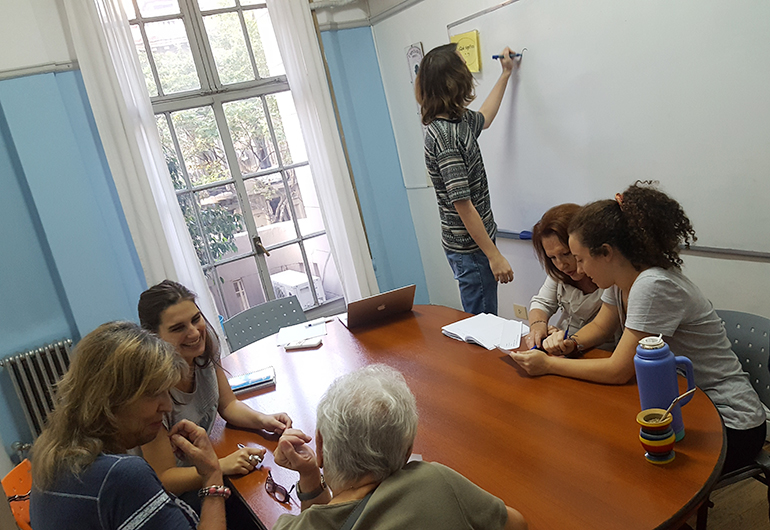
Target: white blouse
x,y
577,308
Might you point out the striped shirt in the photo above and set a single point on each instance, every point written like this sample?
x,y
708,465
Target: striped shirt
x,y
454,163
116,492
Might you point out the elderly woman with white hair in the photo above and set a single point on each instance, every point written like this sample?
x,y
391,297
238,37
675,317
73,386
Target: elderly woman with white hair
x,y
366,426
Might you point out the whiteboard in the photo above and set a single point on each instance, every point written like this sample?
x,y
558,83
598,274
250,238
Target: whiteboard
x,y
610,92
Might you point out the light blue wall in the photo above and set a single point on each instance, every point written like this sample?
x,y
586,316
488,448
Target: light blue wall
x,y
68,263
374,159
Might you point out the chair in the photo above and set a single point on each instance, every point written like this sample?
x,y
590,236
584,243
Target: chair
x,y
263,320
17,485
750,339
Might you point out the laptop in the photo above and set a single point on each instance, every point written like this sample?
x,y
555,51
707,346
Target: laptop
x,y
378,307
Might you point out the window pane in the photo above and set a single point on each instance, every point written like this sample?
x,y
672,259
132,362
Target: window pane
x,y
191,220
322,265
287,272
173,58
230,278
283,114
252,2
229,48
267,198
222,221
205,5
262,36
169,153
157,8
144,62
306,201
202,151
251,136
128,7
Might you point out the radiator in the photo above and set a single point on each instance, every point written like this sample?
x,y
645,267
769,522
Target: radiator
x,y
34,374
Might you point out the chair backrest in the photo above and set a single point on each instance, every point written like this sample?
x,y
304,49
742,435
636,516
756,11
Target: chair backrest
x,y
263,320
750,339
18,483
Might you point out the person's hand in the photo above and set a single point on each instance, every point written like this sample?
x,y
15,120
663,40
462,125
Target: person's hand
x,y
537,332
534,362
191,443
293,452
509,63
276,423
239,463
501,269
556,345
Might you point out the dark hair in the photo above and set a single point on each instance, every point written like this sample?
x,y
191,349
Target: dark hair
x,y
158,298
555,222
444,85
644,224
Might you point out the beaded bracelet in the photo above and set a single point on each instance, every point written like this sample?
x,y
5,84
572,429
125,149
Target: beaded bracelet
x,y
214,491
538,322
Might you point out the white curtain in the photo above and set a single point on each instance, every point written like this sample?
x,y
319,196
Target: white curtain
x,y
123,113
301,53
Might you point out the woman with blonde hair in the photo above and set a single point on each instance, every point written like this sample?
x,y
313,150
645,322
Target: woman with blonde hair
x,y
112,399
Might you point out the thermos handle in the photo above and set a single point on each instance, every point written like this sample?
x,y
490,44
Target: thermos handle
x,y
686,363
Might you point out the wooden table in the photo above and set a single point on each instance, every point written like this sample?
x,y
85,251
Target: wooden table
x,y
564,452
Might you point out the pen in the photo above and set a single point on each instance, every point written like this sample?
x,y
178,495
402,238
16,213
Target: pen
x,y
511,55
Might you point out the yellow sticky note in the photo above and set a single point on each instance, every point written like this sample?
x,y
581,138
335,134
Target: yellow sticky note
x,y
468,46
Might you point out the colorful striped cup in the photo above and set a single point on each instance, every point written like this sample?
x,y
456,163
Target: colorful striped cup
x,y
657,437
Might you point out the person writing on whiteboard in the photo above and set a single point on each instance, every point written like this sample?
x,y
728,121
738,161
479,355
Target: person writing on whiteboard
x,y
630,248
169,310
566,287
444,88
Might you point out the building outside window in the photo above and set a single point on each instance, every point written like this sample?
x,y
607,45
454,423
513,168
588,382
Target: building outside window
x,y
234,150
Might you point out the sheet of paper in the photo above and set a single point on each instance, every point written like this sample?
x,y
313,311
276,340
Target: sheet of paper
x,y
300,332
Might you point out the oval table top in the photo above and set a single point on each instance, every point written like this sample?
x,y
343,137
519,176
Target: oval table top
x,y
564,452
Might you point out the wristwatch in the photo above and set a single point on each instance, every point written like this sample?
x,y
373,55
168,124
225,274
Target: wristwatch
x,y
579,348
309,496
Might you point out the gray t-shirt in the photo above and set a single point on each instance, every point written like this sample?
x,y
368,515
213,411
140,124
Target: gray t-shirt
x,y
666,302
421,495
198,406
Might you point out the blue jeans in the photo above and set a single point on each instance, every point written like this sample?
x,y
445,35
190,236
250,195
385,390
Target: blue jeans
x,y
478,287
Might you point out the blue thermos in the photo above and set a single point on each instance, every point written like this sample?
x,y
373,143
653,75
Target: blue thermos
x,y
656,376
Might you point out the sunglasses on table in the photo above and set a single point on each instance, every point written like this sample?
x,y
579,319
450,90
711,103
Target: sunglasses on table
x,y
277,491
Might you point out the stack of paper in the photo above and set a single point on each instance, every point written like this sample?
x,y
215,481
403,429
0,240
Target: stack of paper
x,y
489,331
300,332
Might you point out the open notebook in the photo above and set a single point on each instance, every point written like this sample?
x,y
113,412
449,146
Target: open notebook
x,y
489,331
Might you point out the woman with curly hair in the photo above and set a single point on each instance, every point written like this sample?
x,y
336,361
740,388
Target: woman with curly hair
x,y
630,248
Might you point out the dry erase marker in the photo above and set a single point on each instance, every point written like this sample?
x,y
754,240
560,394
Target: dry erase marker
x,y
511,55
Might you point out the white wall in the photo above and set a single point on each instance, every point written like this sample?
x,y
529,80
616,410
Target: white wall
x,y
728,283
32,33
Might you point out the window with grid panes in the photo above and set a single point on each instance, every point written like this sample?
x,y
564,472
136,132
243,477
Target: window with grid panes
x,y
234,150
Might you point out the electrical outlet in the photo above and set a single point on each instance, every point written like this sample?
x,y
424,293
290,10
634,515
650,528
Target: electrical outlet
x,y
520,311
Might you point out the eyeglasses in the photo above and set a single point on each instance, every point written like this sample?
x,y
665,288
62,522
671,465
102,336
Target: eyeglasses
x,y
277,491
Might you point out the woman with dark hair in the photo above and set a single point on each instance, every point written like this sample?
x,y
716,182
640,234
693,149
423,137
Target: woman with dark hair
x,y
444,88
169,310
112,399
630,248
565,287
